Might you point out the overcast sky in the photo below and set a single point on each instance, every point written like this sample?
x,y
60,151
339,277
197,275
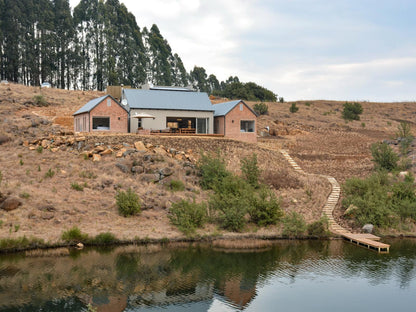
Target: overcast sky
x,y
299,49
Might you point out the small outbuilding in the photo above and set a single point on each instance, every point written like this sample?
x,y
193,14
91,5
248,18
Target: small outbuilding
x,y
102,114
235,120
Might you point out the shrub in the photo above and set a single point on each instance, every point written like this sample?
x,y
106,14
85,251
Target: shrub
x,y
261,108
128,203
281,179
373,198
294,225
250,170
293,109
404,134
105,238
39,100
39,149
87,175
20,243
175,185
319,228
265,208
281,99
77,187
384,157
50,173
231,202
212,170
74,235
24,195
188,216
352,111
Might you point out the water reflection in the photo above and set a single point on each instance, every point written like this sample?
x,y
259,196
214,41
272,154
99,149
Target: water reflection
x,y
194,277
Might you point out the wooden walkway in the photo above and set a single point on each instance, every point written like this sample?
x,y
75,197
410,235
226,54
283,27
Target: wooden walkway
x,y
365,240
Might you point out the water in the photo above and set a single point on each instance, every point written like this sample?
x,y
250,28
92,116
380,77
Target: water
x,y
290,276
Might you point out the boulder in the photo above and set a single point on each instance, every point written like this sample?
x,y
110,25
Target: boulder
x,y
122,167
137,169
80,139
139,145
368,228
120,153
108,151
150,178
96,157
160,150
129,152
99,149
4,139
10,203
165,172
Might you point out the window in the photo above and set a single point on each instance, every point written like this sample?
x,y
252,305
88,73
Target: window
x,y
139,123
241,107
101,123
247,125
108,102
202,125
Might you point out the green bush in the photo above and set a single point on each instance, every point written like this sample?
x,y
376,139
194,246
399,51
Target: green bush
x,y
50,173
384,157
352,111
319,228
404,134
381,200
261,108
250,170
294,225
39,100
175,185
77,187
293,109
231,202
128,203
212,170
265,208
20,243
105,238
39,149
74,235
188,216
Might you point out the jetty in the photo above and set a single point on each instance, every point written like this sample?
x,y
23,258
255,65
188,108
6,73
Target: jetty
x,y
365,240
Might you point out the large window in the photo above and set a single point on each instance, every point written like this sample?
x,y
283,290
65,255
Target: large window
x,y
101,123
202,125
247,125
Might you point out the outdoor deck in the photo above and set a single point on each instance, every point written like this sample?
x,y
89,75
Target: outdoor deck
x,y
368,241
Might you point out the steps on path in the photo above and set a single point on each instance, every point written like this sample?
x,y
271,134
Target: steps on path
x,y
366,240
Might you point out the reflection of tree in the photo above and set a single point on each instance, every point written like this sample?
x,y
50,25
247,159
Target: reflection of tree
x,y
136,277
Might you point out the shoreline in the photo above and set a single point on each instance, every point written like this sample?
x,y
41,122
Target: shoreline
x,y
231,242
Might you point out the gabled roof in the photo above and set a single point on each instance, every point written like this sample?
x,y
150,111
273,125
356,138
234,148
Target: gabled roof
x,y
222,109
169,100
93,103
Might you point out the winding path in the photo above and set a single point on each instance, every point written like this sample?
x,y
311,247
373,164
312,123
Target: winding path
x,y
366,240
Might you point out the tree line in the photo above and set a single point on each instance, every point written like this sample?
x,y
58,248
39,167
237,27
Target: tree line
x,y
96,45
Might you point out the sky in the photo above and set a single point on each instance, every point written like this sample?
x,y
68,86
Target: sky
x,y
363,50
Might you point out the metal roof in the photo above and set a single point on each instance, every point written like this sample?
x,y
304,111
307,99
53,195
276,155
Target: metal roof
x,y
93,103
222,109
168,88
171,100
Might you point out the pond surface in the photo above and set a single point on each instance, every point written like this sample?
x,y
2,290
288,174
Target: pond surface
x,y
289,276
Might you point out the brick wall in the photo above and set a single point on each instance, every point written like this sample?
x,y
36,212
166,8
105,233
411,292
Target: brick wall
x,y
233,120
118,116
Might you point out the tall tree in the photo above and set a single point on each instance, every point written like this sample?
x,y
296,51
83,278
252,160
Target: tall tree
x,y
199,79
160,57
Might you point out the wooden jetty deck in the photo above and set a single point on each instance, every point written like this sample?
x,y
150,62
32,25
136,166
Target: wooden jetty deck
x,y
368,241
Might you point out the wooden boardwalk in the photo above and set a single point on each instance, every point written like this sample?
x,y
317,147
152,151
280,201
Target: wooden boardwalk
x,y
365,240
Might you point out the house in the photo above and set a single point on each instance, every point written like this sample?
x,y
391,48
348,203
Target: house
x,y
167,110
170,109
235,120
101,114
